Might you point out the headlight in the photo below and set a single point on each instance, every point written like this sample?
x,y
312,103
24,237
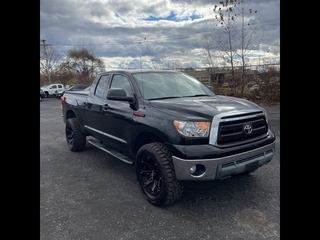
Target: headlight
x,y
266,115
193,129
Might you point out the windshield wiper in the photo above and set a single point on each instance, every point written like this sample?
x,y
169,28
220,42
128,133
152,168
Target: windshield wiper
x,y
198,95
162,98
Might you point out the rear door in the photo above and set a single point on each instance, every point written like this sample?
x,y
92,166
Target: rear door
x,y
95,100
59,89
52,89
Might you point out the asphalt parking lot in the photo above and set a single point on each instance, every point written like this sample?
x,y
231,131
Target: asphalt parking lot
x,y
90,195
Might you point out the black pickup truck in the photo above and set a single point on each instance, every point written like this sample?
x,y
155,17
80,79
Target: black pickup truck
x,y
172,127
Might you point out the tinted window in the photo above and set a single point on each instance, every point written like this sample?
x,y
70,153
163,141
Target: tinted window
x,y
81,87
102,86
120,81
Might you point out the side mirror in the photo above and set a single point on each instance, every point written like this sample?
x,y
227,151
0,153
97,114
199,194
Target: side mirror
x,y
120,95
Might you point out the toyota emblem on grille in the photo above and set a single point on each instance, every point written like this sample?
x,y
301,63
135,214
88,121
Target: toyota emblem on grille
x,y
247,129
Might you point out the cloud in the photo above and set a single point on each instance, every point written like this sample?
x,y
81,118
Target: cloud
x,y
158,32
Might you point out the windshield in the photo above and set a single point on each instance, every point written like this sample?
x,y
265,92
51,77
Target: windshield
x,y
161,85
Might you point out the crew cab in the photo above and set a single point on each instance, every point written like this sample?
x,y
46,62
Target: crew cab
x,y
172,127
53,89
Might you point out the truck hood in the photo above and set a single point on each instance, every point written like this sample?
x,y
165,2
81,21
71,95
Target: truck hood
x,y
202,107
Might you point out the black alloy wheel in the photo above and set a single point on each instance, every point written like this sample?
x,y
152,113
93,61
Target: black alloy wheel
x,y
76,140
156,175
151,177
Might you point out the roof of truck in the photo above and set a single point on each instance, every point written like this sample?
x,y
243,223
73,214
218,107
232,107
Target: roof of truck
x,y
136,70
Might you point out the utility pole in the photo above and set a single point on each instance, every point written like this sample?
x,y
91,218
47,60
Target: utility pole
x,y
44,44
48,67
43,41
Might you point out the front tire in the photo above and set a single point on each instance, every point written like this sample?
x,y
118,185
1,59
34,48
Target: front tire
x,y
76,140
156,175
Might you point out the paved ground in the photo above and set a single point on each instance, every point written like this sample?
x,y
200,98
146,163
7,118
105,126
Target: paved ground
x,y
89,195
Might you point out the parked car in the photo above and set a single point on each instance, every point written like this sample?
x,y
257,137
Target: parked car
x,y
42,94
77,87
53,89
254,88
67,86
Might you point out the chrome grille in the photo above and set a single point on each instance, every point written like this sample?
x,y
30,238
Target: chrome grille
x,y
228,129
234,131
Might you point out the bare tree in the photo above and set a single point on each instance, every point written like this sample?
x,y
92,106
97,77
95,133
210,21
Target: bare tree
x,y
49,60
82,62
206,44
236,40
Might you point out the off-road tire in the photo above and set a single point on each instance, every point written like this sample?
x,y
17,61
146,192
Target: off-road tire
x,y
76,140
156,175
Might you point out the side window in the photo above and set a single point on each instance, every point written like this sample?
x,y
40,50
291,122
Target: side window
x,y
120,81
54,86
102,86
59,86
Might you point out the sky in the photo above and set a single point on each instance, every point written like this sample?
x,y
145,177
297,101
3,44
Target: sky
x,y
154,33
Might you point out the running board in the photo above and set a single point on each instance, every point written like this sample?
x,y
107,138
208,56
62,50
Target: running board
x,y
110,151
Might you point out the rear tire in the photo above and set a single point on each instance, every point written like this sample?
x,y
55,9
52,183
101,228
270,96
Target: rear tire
x,y
76,140
156,175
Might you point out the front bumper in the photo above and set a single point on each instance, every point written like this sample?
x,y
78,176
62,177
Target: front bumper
x,y
223,167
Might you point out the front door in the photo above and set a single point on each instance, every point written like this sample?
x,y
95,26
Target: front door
x,y
117,116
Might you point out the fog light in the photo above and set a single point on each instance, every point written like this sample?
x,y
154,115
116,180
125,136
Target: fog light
x,y
193,169
197,170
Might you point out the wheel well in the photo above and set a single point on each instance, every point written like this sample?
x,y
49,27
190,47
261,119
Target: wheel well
x,y
70,114
143,139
